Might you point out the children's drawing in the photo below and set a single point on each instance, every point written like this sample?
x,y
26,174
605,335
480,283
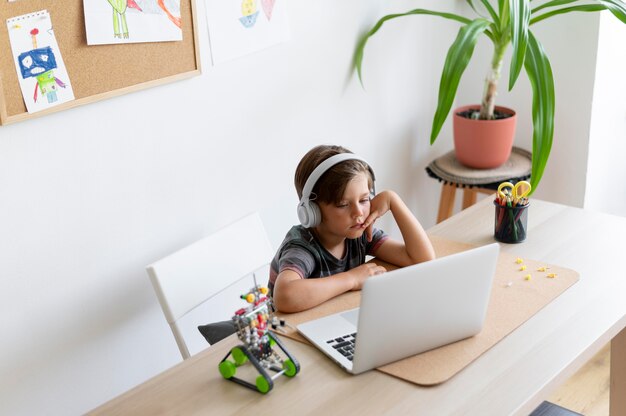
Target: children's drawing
x,y
249,12
39,63
268,6
174,19
120,27
40,68
237,28
133,21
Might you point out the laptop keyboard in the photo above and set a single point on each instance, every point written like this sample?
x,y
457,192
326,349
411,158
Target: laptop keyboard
x,y
344,345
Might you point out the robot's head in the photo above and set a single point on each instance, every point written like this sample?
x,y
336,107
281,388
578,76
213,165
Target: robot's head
x,y
36,62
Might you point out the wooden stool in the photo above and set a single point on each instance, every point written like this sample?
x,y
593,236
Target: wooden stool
x,y
454,175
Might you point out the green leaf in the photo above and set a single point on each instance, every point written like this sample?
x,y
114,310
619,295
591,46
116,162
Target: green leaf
x,y
457,59
539,73
616,7
581,8
553,3
358,54
501,5
505,16
492,13
490,9
494,32
471,4
520,19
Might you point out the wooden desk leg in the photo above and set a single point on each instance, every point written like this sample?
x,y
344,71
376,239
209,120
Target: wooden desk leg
x,y
617,406
469,197
446,202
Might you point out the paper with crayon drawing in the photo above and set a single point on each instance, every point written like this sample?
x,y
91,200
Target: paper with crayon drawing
x,y
43,78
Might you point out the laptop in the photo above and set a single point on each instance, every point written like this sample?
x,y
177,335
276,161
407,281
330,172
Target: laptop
x,y
409,310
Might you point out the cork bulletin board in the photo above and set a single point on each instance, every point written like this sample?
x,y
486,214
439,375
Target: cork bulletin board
x,y
100,71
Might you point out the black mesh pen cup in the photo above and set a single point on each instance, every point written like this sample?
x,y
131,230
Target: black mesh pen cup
x,y
510,223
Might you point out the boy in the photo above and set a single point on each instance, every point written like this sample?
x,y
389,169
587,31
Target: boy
x,y
325,256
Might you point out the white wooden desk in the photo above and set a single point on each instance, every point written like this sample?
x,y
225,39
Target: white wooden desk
x,y
513,377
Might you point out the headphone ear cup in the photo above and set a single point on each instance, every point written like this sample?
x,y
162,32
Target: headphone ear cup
x,y
303,214
309,214
315,218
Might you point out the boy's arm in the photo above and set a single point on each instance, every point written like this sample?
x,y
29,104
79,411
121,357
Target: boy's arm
x,y
416,247
293,293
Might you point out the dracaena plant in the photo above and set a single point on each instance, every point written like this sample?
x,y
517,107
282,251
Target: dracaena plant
x,y
506,23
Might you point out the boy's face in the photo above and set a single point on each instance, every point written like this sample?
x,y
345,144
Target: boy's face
x,y
345,219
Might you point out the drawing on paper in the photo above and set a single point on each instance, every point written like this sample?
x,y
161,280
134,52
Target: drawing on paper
x,y
268,7
173,19
133,21
249,12
120,27
38,62
237,27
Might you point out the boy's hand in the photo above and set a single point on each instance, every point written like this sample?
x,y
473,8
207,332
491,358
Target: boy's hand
x,y
379,206
361,273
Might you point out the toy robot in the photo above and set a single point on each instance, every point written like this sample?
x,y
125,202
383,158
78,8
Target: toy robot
x,y
252,324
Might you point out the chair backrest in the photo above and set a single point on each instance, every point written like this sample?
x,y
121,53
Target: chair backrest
x,y
187,278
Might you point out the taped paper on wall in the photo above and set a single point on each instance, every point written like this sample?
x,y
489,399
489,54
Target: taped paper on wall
x,y
242,27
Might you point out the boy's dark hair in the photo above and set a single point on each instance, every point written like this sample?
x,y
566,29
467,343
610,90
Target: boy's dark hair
x,y
332,184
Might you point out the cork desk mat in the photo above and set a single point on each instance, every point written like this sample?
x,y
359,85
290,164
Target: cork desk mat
x,y
513,301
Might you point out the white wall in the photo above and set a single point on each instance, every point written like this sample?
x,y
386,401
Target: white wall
x,y
91,195
607,142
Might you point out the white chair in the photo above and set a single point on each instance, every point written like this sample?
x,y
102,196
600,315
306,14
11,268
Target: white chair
x,y
189,277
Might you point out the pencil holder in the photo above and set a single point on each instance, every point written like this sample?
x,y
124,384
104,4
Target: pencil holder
x,y
510,223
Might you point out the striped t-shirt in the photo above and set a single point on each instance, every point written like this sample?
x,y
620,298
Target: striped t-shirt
x,y
301,252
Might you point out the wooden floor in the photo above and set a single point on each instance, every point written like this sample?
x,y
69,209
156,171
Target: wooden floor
x,y
587,391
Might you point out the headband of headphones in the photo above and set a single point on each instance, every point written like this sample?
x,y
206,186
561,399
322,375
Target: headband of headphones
x,y
324,166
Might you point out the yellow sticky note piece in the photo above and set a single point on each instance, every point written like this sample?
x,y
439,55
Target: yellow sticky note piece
x,y
522,268
519,260
527,277
551,275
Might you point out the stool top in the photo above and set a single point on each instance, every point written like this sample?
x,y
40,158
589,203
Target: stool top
x,y
448,169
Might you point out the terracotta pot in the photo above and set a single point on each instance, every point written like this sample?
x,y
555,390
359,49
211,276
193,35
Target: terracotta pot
x,y
483,144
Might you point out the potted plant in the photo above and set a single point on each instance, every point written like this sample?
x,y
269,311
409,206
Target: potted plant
x,y
505,22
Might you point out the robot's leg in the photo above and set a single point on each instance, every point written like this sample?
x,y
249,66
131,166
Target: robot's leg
x,y
264,382
241,354
291,365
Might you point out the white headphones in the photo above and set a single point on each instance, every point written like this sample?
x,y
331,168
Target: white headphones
x,y
309,212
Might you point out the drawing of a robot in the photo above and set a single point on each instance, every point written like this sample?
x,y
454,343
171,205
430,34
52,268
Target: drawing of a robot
x,y
39,63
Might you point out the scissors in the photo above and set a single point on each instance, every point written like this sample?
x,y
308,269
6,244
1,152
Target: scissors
x,y
513,194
